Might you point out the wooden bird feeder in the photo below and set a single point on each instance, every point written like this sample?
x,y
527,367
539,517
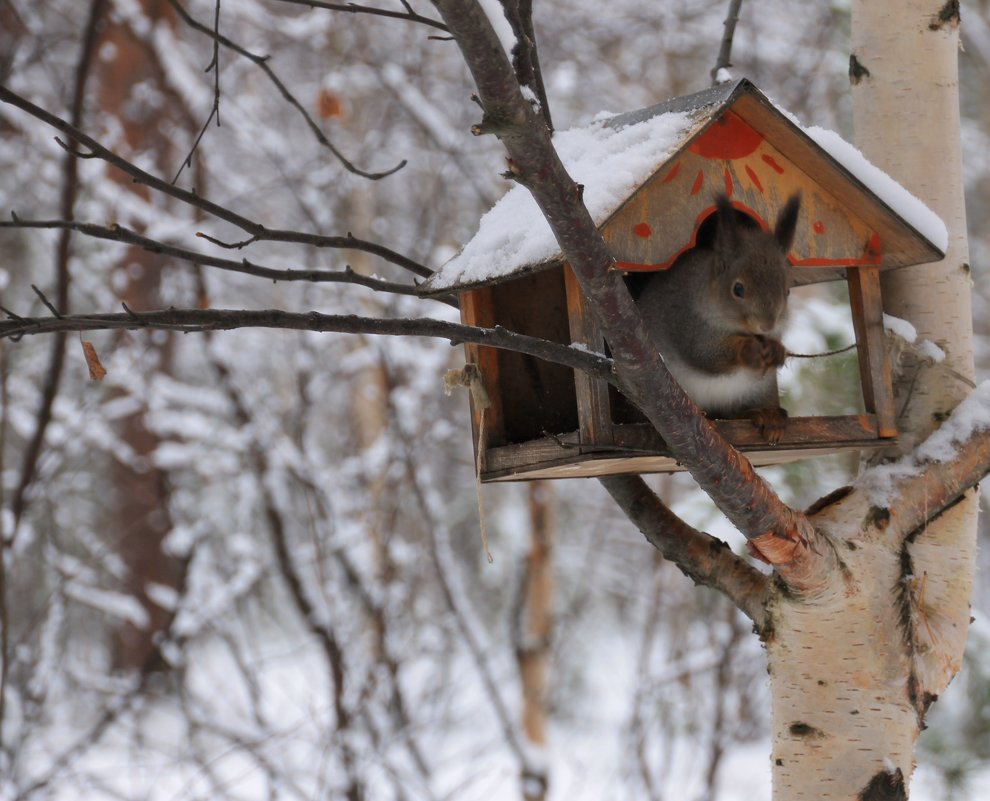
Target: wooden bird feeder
x,y
650,179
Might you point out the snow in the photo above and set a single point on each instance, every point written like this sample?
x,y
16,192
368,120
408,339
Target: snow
x,y
905,204
611,163
970,417
116,604
899,327
496,15
925,349
723,75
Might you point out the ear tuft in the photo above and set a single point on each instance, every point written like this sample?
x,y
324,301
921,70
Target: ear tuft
x,y
727,230
783,231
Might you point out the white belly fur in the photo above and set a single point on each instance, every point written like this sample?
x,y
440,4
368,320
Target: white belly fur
x,y
735,390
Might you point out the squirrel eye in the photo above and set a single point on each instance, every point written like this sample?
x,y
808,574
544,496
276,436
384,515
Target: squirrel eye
x,y
738,289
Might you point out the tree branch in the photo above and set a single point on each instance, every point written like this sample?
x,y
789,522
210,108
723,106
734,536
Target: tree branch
x,y
262,63
191,320
699,556
70,189
525,56
118,233
724,60
257,232
721,471
354,8
214,65
920,486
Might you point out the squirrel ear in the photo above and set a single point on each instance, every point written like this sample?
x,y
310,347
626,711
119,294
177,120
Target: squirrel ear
x,y
783,232
727,230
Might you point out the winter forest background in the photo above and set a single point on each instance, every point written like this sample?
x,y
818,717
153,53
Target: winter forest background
x,y
248,565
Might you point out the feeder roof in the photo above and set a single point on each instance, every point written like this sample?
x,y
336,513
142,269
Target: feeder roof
x,y
615,155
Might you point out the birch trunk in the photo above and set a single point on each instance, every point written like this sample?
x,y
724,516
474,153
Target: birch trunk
x,y
911,50
856,662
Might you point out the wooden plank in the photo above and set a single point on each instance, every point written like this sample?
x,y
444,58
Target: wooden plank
x,y
538,396
478,309
639,449
594,408
874,363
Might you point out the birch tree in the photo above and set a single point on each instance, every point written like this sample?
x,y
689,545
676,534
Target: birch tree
x,y
864,614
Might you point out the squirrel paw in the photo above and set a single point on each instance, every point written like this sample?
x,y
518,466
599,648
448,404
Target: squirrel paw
x,y
771,422
759,352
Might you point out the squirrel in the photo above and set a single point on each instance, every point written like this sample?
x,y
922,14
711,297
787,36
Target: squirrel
x,y
715,316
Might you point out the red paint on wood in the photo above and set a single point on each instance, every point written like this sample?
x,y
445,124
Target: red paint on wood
x,y
642,229
819,227
773,163
728,182
754,178
727,138
873,249
698,183
673,173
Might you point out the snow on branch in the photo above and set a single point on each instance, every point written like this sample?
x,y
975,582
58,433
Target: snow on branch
x,y
919,485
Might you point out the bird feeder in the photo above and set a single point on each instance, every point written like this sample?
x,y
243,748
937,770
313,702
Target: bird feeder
x,y
650,178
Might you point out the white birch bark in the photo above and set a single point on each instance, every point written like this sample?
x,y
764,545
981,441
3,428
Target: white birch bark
x,y
856,663
906,113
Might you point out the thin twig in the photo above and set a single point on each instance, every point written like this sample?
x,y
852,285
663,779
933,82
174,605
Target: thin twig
x,y
70,189
48,304
835,352
262,63
355,8
215,111
724,60
118,233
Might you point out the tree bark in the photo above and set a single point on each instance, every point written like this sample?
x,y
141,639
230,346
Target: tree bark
x,y
855,668
139,516
535,627
910,49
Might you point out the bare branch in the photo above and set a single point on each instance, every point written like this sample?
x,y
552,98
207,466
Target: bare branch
x,y
190,320
929,487
118,233
70,188
724,60
257,232
215,111
354,8
262,63
699,556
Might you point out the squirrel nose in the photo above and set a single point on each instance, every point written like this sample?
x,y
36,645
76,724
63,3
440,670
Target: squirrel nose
x,y
764,326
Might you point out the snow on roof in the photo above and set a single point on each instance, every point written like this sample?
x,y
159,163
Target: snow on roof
x,y
902,202
610,162
615,155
